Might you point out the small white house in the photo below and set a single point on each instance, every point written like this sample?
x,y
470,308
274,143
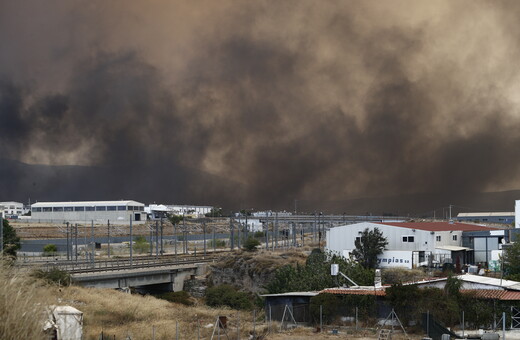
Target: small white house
x,y
12,208
410,244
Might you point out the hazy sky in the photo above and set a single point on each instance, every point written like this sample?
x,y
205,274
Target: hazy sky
x,y
276,100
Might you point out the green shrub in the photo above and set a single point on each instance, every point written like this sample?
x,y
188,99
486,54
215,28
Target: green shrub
x,y
259,234
250,244
140,244
329,304
217,243
53,276
226,295
181,297
50,249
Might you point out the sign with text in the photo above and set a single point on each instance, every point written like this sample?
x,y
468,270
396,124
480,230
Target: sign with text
x,y
395,258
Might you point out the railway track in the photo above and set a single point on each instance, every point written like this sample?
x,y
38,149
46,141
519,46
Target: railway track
x,y
126,263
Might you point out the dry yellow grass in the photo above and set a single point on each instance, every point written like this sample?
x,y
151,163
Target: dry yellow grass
x,y
22,305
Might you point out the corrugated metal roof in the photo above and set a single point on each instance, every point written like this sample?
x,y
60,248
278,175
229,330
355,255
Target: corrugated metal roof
x,y
83,203
354,291
483,214
311,294
437,226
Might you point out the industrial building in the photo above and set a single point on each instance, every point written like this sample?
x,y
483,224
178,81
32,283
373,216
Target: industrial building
x,y
410,244
158,211
117,212
12,209
487,217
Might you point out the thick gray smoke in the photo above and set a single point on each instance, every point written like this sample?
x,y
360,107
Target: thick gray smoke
x,y
257,104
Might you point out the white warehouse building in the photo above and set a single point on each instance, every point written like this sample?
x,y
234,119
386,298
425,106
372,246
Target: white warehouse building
x,y
117,212
409,243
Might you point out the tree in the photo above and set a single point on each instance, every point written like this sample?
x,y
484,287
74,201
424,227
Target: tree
x,y
511,261
140,244
250,244
50,249
175,219
215,212
315,274
370,244
11,241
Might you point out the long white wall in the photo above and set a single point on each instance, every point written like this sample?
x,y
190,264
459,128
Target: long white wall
x,y
343,238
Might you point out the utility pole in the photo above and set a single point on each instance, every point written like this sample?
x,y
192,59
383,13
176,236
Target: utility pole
x,y
108,226
231,232
162,240
131,243
175,238
156,239
1,235
92,240
450,211
68,248
204,232
76,236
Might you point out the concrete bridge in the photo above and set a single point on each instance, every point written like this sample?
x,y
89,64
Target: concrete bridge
x,y
165,278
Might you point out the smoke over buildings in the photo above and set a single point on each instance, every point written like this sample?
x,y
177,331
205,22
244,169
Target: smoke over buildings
x,y
258,103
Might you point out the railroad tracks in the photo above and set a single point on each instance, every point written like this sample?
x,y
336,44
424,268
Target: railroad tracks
x,y
120,264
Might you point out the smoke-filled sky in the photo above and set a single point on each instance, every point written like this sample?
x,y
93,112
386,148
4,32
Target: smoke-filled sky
x,y
259,103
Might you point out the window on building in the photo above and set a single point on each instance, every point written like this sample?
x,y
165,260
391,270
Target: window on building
x,y
68,209
47,209
111,208
79,208
408,239
11,207
103,208
438,238
358,239
454,237
130,208
90,208
36,209
57,209
121,207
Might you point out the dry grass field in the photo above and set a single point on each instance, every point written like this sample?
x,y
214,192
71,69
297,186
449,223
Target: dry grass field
x,y
23,300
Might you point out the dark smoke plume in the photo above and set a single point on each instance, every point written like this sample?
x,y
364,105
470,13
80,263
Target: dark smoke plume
x,y
257,104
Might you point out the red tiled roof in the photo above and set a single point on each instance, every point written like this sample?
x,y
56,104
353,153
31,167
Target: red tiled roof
x,y
504,295
498,294
437,226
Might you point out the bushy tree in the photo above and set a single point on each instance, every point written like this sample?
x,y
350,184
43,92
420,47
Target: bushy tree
x,y
175,219
50,249
227,295
11,240
215,212
140,244
315,274
511,260
250,244
369,245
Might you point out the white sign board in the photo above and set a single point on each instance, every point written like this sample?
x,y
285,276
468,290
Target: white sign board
x,y
395,258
